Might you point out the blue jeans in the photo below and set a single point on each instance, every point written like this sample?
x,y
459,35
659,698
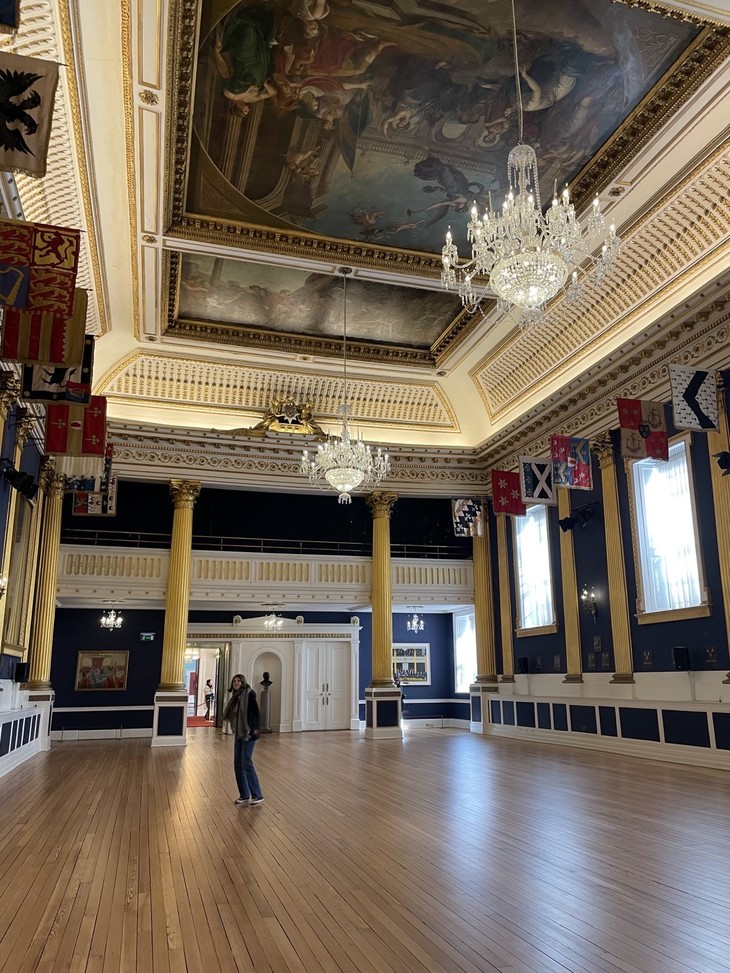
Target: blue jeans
x,y
246,776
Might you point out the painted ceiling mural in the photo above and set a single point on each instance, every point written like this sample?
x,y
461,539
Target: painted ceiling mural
x,y
369,121
293,301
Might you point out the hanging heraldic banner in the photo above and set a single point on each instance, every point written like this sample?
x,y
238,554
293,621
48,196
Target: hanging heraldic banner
x,y
88,504
468,517
536,480
643,429
571,462
38,265
45,338
694,398
27,92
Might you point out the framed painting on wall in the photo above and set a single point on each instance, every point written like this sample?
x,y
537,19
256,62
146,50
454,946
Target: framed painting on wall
x,y
101,670
412,663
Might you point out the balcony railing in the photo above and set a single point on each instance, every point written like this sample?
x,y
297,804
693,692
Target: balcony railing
x,y
262,545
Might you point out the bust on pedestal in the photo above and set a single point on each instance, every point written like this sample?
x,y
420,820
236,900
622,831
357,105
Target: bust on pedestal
x,y
265,707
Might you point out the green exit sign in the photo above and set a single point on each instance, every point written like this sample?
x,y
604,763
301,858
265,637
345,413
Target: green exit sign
x,y
147,636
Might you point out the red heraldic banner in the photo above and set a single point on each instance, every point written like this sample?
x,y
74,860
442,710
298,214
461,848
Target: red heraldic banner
x,y
506,496
45,338
76,430
643,429
38,266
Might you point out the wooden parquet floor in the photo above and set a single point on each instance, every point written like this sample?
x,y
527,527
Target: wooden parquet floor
x,y
446,853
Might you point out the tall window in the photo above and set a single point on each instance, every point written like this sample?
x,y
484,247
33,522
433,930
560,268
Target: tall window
x,y
465,651
666,530
533,572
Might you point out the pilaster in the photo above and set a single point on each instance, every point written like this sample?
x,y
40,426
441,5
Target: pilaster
x,y
486,681
571,606
44,613
618,596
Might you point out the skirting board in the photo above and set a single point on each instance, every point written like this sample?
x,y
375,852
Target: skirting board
x,y
434,722
69,736
667,752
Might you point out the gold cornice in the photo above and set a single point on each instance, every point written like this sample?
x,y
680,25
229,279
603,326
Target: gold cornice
x,y
664,10
80,126
126,21
680,343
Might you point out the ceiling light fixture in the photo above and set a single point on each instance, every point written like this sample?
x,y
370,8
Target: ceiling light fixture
x,y
273,622
527,255
345,463
111,620
415,623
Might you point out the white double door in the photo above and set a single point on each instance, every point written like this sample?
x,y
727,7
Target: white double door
x,y
327,678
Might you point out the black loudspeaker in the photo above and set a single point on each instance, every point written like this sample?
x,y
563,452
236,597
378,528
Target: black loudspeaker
x,y
21,672
680,654
523,665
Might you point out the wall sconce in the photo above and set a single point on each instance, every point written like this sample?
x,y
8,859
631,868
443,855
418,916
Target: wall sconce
x,y
588,600
3,586
580,517
723,461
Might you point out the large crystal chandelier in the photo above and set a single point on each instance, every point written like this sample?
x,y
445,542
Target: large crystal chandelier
x,y
111,620
527,256
345,463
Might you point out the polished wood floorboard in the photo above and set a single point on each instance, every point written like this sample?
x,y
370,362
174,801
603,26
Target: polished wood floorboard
x,y
446,853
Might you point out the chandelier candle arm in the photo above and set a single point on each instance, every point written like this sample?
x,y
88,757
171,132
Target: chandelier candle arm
x,y
528,257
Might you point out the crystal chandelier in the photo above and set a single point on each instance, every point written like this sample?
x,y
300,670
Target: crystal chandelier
x,y
526,255
273,622
111,620
415,623
345,463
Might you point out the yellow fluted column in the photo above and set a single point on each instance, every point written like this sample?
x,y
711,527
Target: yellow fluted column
x,y
484,608
571,606
44,610
382,697
719,442
381,505
618,596
184,494
505,604
9,390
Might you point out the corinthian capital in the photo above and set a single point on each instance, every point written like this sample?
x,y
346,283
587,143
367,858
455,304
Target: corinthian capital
x,y
381,504
9,391
184,493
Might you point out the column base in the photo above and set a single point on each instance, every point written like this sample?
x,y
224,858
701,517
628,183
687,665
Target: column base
x,y
478,703
171,719
622,677
40,699
573,677
726,680
383,713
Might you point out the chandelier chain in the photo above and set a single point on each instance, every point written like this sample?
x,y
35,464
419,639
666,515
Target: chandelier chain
x,y
518,83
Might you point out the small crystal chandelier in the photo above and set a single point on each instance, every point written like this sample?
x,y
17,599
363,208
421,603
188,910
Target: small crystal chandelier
x,y
273,621
111,620
527,256
415,623
345,463
192,653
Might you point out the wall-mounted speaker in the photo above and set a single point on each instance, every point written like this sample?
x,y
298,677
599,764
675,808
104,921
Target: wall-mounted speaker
x,y
680,655
523,665
21,672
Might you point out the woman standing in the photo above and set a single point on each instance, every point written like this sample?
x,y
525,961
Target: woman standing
x,y
242,713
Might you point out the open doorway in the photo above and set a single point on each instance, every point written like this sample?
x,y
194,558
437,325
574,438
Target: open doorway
x,y
205,673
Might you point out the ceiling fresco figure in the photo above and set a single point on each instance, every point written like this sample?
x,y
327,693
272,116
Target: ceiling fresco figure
x,y
347,111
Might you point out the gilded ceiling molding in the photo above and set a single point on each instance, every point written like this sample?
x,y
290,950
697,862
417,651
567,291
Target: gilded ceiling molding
x,y
64,196
197,384
683,232
145,452
676,13
587,405
127,85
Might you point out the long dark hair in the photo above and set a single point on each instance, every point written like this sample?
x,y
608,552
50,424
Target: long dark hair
x,y
244,684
